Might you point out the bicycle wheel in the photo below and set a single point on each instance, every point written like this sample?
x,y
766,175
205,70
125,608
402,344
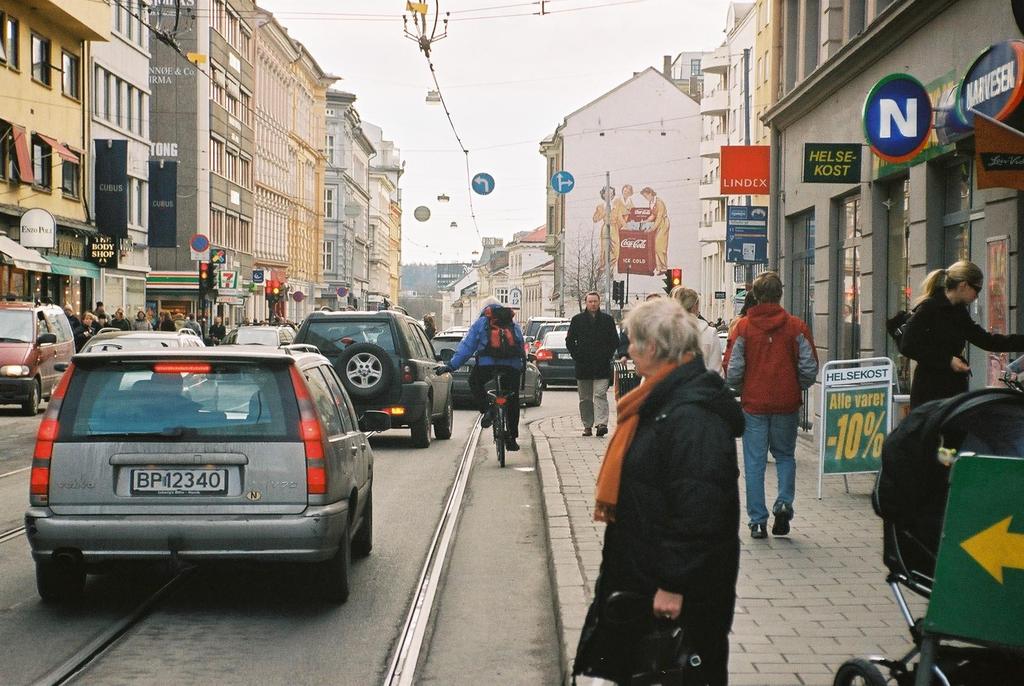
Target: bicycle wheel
x,y
499,433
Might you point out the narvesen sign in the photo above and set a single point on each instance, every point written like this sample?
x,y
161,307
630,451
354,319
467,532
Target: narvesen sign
x,y
832,163
745,169
897,118
994,84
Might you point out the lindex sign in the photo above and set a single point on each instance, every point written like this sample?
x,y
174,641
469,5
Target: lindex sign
x,y
978,592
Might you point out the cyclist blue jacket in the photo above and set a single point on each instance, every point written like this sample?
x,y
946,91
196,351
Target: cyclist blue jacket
x,y
475,340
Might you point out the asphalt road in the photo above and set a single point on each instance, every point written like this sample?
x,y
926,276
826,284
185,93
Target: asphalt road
x,y
243,624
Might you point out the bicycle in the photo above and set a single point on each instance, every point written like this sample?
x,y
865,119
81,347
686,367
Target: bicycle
x,y
498,413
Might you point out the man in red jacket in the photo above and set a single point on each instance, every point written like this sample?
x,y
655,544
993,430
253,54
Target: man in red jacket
x,y
771,361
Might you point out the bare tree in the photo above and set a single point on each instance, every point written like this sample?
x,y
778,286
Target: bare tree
x,y
583,268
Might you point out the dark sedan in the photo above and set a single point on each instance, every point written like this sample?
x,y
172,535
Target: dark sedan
x,y
554,361
445,345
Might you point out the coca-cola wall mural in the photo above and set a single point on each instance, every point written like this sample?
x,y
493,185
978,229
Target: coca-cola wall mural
x,y
642,140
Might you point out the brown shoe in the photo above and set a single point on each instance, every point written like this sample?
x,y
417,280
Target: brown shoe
x,y
588,432
602,430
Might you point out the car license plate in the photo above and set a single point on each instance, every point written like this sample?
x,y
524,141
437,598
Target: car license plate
x,y
179,481
564,356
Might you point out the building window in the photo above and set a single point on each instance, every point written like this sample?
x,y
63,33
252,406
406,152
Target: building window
x,y
502,295
850,231
216,226
695,67
42,162
232,165
329,150
330,197
956,220
245,172
216,156
812,20
11,35
328,256
41,59
70,175
898,276
3,39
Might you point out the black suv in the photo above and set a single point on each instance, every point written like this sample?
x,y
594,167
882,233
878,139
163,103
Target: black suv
x,y
386,363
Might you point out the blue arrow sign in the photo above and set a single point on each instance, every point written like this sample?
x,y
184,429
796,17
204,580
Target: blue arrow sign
x,y
483,183
562,182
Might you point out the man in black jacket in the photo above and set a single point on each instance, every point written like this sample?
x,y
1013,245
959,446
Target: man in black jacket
x,y
592,340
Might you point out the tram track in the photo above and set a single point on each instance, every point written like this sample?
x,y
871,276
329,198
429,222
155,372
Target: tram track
x,y
402,668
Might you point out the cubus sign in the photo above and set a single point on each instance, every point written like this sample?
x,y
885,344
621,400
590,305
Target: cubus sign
x,y
832,162
897,118
745,169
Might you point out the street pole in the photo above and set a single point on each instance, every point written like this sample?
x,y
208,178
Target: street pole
x,y
561,290
608,233
748,269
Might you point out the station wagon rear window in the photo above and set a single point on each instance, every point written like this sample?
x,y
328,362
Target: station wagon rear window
x,y
178,400
333,337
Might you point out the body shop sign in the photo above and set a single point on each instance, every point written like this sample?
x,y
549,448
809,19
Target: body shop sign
x,y
102,251
832,163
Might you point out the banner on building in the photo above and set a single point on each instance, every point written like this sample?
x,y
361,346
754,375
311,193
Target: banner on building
x,y
102,251
639,229
163,208
999,154
112,187
832,162
745,169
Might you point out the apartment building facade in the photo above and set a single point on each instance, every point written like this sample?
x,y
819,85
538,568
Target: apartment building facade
x,y
45,149
385,227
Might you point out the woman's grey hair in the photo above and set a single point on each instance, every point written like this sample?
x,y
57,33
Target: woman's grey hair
x,y
490,300
663,328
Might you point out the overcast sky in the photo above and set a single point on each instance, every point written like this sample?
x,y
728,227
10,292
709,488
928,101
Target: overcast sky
x,y
508,81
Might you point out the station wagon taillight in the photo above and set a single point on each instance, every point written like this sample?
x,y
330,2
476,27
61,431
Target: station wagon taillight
x,y
408,375
312,437
544,354
39,479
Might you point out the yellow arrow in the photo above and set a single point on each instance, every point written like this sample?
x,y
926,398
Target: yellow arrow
x,y
996,548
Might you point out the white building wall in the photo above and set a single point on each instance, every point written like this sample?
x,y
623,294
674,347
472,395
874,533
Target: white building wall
x,y
646,133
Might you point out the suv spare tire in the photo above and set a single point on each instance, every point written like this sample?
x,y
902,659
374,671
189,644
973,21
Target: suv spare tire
x,y
365,370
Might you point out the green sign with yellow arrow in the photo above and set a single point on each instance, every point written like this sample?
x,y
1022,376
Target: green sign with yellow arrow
x,y
978,592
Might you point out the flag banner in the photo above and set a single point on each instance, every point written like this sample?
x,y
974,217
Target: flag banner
x,y
163,210
112,187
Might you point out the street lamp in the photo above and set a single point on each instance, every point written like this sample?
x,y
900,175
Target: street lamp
x,y
454,225
443,198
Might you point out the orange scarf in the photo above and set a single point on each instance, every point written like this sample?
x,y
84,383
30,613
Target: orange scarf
x,y
628,419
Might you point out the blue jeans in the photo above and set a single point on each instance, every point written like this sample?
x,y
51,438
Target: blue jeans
x,y
764,432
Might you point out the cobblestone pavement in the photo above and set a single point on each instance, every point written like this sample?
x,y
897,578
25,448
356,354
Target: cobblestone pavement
x,y
805,603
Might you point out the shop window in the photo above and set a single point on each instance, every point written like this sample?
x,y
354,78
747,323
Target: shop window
x,y
42,162
849,306
41,59
70,177
801,229
70,85
956,219
898,285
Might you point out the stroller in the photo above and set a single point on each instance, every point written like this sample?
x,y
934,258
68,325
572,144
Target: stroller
x,y
910,496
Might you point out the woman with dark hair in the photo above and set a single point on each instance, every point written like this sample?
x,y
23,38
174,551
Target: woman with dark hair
x,y
428,326
670,498
939,327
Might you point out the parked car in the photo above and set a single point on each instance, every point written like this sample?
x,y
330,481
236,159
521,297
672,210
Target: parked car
x,y
117,339
554,361
34,340
386,363
243,453
445,344
260,335
545,329
532,328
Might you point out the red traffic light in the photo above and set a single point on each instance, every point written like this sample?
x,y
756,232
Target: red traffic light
x,y
677,277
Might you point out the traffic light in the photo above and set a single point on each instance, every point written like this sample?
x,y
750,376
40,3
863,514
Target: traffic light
x,y
207,277
273,290
619,292
673,278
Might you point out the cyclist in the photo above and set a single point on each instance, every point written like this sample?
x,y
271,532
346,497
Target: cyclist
x,y
498,345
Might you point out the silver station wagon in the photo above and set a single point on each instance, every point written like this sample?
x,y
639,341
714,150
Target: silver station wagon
x,y
200,454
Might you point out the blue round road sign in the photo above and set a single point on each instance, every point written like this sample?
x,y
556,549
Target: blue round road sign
x,y
199,242
562,182
897,118
483,183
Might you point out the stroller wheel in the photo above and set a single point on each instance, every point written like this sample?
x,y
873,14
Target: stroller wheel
x,y
859,672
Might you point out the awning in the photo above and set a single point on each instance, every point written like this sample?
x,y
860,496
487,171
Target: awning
x,y
59,149
22,258
73,267
24,158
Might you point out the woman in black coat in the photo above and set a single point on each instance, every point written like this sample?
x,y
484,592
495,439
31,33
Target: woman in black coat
x,y
940,326
671,499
